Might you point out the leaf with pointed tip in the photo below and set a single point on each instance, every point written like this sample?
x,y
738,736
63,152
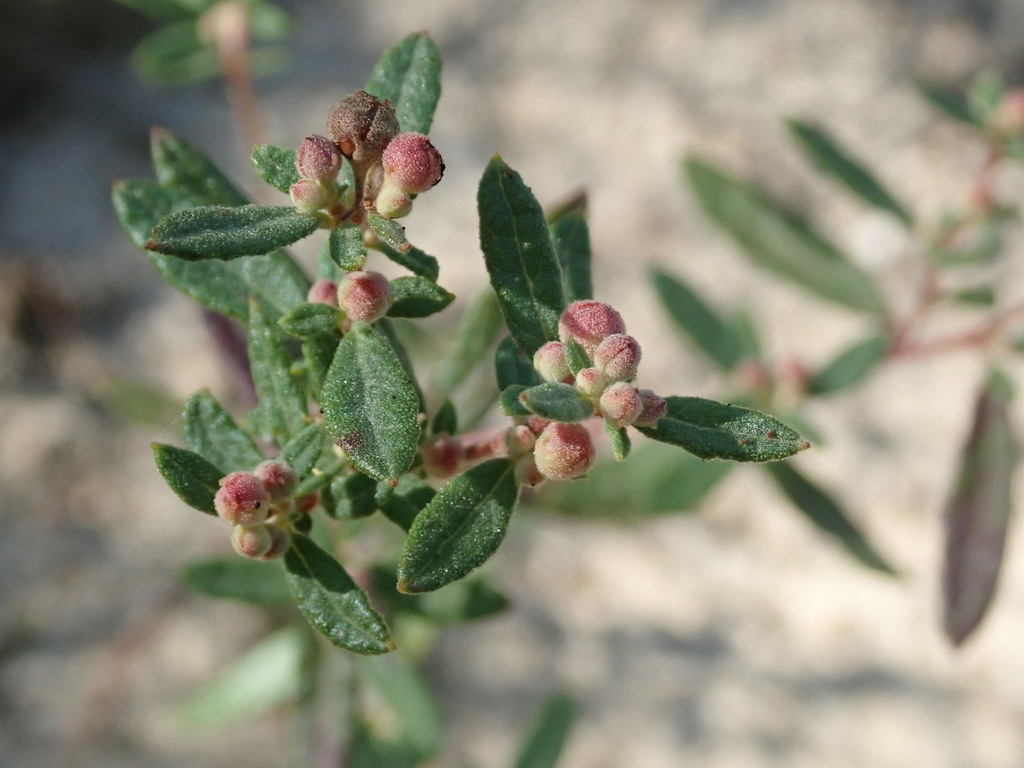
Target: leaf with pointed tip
x,y
238,579
188,174
302,452
546,739
978,513
346,247
571,237
192,478
409,76
282,403
557,401
370,406
332,602
850,367
402,503
275,165
446,419
713,430
948,100
389,232
413,259
462,526
519,256
619,438
211,432
351,496
417,297
512,367
310,319
510,403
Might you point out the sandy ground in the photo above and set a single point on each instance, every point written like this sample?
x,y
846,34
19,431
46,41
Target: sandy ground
x,y
735,638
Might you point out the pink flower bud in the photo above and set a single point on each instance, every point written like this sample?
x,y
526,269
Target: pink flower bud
x,y
621,404
564,451
392,202
242,499
519,440
318,158
278,478
589,322
549,360
413,162
536,424
279,543
323,292
590,382
526,472
362,126
443,456
654,407
251,540
364,296
308,196
1008,117
618,357
307,503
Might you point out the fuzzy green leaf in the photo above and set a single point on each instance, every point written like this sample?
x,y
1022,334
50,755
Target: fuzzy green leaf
x,y
519,256
690,314
188,174
713,430
370,406
275,165
409,75
190,476
224,232
402,503
413,259
619,438
951,102
211,432
282,403
571,237
460,528
318,353
303,451
546,739
557,401
238,579
417,297
446,419
310,319
332,602
510,403
822,510
406,701
778,241
512,367
389,232
351,496
346,247
833,160
850,367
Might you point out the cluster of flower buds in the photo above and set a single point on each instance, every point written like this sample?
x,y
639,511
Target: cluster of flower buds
x,y
318,161
261,507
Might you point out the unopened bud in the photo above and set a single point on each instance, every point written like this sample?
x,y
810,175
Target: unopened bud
x,y
308,196
588,323
564,451
413,162
362,126
278,478
519,440
251,540
318,158
1008,118
279,543
549,361
323,292
364,296
620,404
653,408
242,499
443,456
307,503
590,382
526,472
392,202
536,424
618,357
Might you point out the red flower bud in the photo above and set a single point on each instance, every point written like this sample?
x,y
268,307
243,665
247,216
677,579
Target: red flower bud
x,y
251,540
590,382
519,440
308,196
279,543
391,201
589,322
278,478
413,162
564,451
306,504
364,296
526,472
618,357
620,404
242,499
362,126
323,292
318,158
653,408
549,360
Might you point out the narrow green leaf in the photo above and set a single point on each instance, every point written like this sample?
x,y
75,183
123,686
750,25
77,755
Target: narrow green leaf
x,y
346,247
850,367
985,95
310,319
576,356
188,173
822,510
711,334
446,420
557,401
413,259
976,295
511,366
403,502
397,686
211,432
303,451
332,602
619,438
139,205
370,406
778,241
978,513
460,528
742,327
409,76
519,256
833,160
275,165
571,237
510,403
474,336
417,297
948,100
389,232
223,232
175,55
351,496
190,476
713,430
327,469
238,579
318,353
282,403
546,739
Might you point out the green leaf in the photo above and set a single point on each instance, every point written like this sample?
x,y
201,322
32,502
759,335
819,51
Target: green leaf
x,y
460,528
510,403
850,367
520,257
387,327
417,297
978,513
576,356
213,434
571,237
976,296
318,353
402,503
948,100
557,401
370,406
238,579
139,205
303,451
822,510
389,232
621,444
168,10
474,335
223,232
351,496
691,315
275,165
546,739
467,600
412,258
832,160
985,95
175,55
190,476
979,245
407,702
188,174
346,247
446,419
409,75
332,602
512,367
778,241
282,403
310,319
713,430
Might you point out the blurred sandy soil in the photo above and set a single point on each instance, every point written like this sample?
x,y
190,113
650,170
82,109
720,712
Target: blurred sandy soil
x,y
736,638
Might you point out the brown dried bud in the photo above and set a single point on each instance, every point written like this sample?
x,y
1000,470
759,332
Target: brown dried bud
x,y
318,158
362,126
413,162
